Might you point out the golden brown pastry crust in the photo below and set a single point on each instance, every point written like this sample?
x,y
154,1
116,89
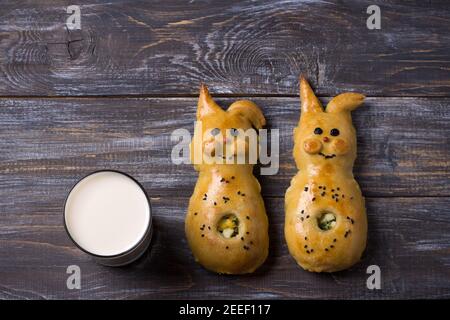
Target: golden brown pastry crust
x,y
224,189
324,185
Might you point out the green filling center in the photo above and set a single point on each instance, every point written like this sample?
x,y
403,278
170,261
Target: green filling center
x,y
327,221
228,226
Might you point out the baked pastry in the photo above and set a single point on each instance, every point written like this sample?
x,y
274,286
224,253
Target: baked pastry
x,y
226,224
325,223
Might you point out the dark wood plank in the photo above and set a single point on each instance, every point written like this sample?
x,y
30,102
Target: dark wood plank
x,y
409,239
50,143
238,47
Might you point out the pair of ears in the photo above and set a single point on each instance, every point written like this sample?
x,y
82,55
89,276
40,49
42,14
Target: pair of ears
x,y
243,108
348,101
309,103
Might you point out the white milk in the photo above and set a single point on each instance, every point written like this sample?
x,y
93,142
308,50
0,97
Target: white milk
x,y
107,213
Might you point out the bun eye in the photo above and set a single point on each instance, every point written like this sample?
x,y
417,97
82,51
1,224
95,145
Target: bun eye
x,y
234,132
318,131
334,132
215,131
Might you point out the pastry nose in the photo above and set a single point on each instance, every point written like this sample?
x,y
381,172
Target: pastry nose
x,y
326,139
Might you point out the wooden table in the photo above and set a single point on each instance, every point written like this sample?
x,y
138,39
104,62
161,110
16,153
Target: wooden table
x,y
109,96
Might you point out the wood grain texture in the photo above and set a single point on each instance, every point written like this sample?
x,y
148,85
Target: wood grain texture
x,y
159,52
47,144
402,143
238,47
408,239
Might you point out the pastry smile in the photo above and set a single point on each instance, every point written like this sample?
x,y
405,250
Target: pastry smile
x,y
326,156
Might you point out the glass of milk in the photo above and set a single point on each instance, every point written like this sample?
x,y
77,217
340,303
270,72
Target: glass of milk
x,y
107,214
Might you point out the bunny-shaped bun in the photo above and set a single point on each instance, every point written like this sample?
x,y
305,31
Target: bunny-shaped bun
x,y
226,224
326,223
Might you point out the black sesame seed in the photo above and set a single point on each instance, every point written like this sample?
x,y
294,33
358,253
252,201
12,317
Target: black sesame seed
x,y
307,216
203,235
243,194
343,196
332,190
247,217
332,196
331,246
307,251
306,188
306,238
322,194
313,199
334,240
303,211
337,199
226,247
338,189
209,228
227,181
222,180
251,242
242,238
326,249
301,218
320,187
238,192
195,213
247,232
232,177
324,188
312,250
305,246
215,203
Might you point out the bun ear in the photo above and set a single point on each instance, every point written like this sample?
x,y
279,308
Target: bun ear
x,y
250,111
206,105
309,101
345,102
